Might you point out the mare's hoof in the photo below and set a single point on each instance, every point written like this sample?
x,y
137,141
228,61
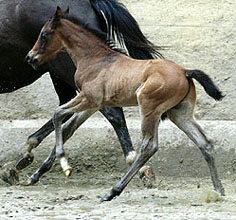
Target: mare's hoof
x,y
24,160
10,176
28,182
147,175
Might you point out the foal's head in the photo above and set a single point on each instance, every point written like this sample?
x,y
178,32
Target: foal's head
x,y
48,43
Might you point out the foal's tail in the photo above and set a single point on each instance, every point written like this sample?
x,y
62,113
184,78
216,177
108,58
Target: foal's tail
x,y
121,24
207,83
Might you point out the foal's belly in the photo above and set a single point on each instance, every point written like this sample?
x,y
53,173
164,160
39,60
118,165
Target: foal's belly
x,y
121,100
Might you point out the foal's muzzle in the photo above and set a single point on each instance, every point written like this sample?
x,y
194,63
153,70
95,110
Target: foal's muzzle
x,y
32,60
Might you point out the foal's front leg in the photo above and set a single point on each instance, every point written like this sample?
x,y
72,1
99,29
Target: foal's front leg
x,y
65,93
67,131
147,150
78,104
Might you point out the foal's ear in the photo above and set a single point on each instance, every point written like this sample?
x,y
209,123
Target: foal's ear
x,y
57,17
67,11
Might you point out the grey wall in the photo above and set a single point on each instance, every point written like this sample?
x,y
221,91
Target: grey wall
x,y
199,34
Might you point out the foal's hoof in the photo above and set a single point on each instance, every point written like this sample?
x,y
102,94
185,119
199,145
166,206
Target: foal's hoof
x,y
24,160
111,195
10,176
107,197
147,176
68,173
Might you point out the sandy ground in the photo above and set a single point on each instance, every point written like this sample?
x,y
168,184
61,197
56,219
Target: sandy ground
x,y
97,166
171,199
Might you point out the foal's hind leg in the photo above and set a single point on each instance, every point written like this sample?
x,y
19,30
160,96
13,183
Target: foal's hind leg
x,y
183,117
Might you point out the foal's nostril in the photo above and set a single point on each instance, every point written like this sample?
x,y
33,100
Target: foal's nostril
x,y
34,61
27,59
31,60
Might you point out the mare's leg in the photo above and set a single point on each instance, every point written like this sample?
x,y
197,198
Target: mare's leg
x,y
183,117
116,117
68,130
65,93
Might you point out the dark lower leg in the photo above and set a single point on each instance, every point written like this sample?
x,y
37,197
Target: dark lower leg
x,y
26,157
116,117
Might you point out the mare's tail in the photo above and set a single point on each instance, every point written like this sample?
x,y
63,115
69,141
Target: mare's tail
x,y
121,24
207,83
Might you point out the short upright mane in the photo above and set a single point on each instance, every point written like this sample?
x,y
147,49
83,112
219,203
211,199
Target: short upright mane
x,y
99,34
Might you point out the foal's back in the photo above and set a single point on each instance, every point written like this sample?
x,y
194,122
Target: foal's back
x,y
121,81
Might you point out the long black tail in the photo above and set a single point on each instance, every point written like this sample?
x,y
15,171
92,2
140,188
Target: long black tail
x,y
122,25
207,83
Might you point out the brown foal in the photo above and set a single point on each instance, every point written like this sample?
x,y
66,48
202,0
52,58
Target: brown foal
x,y
106,77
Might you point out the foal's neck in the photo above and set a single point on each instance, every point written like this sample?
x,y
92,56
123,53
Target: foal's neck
x,y
80,43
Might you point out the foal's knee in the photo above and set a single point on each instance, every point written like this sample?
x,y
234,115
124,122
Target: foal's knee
x,y
58,115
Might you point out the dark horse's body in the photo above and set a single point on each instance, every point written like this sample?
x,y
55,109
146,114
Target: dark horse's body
x,y
18,32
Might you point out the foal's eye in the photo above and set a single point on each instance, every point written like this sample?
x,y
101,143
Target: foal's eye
x,y
44,36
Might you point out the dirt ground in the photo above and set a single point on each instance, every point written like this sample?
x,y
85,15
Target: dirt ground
x,y
97,166
54,197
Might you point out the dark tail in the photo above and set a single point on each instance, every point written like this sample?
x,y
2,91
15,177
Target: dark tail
x,y
207,83
123,26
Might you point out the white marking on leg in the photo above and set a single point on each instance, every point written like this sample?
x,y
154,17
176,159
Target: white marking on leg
x,y
131,157
65,167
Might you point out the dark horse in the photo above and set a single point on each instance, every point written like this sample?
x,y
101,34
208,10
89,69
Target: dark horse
x,y
19,29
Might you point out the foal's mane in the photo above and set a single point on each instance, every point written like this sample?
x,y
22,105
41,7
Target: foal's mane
x,y
104,37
